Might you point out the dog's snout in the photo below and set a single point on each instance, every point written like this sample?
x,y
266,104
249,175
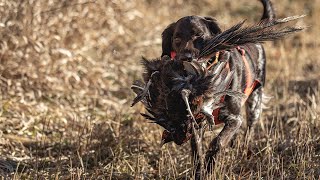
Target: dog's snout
x,y
189,52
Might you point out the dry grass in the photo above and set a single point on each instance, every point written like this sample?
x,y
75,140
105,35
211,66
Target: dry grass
x,y
65,72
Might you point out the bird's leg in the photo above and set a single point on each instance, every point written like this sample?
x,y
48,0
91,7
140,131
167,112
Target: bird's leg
x,y
185,95
197,138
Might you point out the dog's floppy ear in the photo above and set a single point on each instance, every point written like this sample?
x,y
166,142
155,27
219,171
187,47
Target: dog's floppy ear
x,y
212,25
167,40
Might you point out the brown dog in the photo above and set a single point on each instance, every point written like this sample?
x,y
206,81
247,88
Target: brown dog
x,y
184,39
209,75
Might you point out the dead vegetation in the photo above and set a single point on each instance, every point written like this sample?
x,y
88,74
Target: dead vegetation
x,y
65,73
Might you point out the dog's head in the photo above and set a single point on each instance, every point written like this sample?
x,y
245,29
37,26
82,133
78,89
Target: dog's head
x,y
186,37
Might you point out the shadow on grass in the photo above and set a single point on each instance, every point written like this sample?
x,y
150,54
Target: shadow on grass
x,y
90,155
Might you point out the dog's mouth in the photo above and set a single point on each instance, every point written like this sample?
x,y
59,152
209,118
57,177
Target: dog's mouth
x,y
186,55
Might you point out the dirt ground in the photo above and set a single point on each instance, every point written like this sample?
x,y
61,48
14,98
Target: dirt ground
x,y
65,73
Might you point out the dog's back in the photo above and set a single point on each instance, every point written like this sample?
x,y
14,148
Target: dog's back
x,y
249,60
252,57
249,63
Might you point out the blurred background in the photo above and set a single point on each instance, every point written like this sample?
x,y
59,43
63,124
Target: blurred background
x,y
65,73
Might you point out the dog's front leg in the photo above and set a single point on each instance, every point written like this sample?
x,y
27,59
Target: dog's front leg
x,y
232,124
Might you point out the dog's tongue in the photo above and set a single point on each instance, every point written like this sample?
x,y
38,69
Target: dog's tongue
x,y
173,54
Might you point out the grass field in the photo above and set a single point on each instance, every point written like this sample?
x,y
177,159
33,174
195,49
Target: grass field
x,y
65,73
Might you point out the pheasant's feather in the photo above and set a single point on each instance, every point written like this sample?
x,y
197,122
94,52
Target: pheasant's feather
x,y
239,35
